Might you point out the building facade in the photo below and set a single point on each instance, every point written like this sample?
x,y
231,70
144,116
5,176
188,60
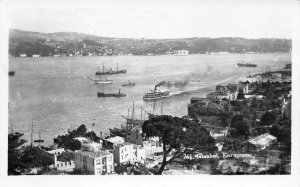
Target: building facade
x,y
129,152
61,165
96,163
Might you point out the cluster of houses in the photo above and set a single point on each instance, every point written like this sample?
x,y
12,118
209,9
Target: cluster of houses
x,y
216,101
101,157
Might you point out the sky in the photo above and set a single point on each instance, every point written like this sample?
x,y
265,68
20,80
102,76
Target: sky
x,y
156,18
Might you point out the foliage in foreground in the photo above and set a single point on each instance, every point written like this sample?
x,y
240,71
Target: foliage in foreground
x,y
178,137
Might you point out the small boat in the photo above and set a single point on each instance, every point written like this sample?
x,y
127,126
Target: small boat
x,y
102,81
129,84
155,94
11,73
119,94
249,64
110,71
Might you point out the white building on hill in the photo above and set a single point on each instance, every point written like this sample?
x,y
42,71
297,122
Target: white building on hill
x,y
129,152
182,52
96,163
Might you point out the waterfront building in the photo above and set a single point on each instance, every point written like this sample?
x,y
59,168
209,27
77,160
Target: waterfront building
x,y
113,142
182,52
128,152
260,142
218,95
23,55
65,164
35,55
205,106
94,162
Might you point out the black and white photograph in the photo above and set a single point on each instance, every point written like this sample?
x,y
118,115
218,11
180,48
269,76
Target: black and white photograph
x,y
193,88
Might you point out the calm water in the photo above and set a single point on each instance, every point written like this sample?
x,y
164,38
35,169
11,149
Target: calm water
x,y
56,94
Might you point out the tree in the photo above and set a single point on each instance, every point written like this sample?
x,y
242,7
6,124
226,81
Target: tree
x,y
283,134
14,153
67,141
132,168
269,94
35,157
241,127
241,94
268,118
178,136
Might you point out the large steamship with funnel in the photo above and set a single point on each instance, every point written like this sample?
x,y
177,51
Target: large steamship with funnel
x,y
155,94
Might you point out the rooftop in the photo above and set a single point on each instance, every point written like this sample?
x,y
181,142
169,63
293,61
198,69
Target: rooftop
x,y
262,140
116,139
94,154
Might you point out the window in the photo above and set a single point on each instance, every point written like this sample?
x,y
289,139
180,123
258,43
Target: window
x,y
62,164
98,161
104,160
99,170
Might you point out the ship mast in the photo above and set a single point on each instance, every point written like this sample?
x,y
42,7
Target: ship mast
x,y
141,113
133,110
31,134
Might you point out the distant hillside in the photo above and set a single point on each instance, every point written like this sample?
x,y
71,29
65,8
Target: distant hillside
x,y
49,44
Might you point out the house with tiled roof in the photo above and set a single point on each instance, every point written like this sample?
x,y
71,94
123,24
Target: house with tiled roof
x,y
259,142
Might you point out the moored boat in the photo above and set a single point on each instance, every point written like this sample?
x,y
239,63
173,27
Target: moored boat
x,y
119,94
248,64
129,84
110,71
11,73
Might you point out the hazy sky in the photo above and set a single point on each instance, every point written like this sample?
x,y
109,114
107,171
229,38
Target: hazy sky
x,y
156,18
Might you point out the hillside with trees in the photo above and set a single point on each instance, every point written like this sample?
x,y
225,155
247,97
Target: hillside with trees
x,y
72,43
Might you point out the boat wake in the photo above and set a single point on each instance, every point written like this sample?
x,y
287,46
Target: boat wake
x,y
194,87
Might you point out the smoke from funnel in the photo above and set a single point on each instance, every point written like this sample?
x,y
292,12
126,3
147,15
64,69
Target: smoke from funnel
x,y
176,84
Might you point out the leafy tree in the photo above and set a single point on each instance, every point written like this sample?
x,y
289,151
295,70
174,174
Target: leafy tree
x,y
268,118
240,126
130,168
178,136
270,95
241,94
15,142
81,131
35,157
93,136
67,141
283,134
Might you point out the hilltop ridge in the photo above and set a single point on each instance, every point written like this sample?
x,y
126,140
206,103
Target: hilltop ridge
x,y
74,43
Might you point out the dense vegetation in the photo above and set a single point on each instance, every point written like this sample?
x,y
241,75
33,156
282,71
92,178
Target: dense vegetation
x,y
67,141
178,136
22,158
